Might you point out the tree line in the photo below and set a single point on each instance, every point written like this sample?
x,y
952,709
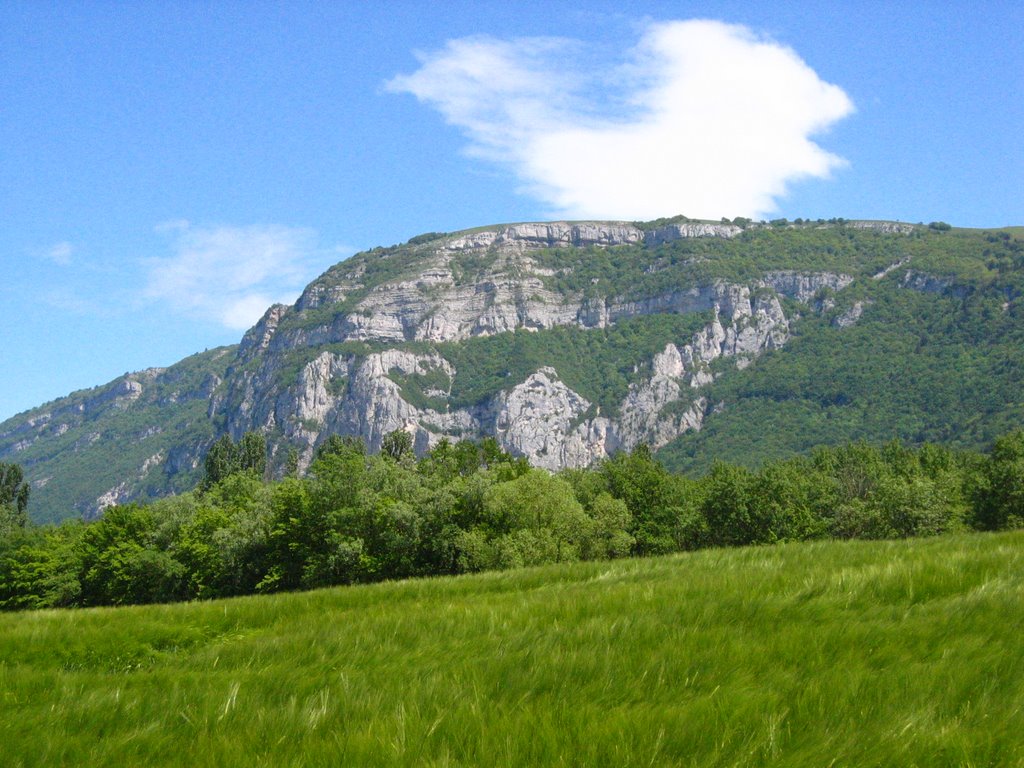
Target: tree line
x,y
469,506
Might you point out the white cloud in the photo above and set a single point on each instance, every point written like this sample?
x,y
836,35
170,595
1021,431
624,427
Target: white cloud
x,y
60,253
701,118
232,274
171,225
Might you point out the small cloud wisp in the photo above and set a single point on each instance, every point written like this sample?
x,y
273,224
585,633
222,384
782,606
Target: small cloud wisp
x,y
60,253
231,274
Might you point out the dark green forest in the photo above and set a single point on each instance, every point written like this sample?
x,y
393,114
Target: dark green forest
x,y
468,506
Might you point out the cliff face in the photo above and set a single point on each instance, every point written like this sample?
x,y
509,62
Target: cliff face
x,y
480,283
564,341
491,282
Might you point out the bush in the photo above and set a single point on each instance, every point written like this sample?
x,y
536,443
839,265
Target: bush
x,y
999,492
536,519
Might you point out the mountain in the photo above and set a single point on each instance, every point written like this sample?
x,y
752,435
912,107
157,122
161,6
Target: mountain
x,y
568,341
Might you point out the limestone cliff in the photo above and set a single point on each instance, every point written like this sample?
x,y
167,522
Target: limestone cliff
x,y
489,282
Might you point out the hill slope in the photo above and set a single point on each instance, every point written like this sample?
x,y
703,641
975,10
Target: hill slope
x,y
569,341
888,654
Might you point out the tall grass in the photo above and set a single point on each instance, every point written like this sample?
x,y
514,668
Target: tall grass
x,y
846,654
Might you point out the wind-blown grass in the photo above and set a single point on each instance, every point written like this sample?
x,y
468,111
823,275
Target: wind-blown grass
x,y
848,654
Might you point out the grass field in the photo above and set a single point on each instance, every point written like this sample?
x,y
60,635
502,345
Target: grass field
x,y
846,654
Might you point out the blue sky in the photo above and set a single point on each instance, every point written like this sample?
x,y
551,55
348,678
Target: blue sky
x,y
168,169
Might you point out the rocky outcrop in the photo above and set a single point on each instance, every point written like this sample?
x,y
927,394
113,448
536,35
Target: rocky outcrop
x,y
805,286
124,490
891,268
374,405
850,317
547,422
928,283
885,227
502,304
672,232
257,338
642,414
344,394
534,418
754,325
541,417
562,234
559,234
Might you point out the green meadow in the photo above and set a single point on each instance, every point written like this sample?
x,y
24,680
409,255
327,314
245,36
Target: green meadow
x,y
897,653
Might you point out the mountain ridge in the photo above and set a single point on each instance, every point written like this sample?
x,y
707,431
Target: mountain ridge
x,y
565,340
